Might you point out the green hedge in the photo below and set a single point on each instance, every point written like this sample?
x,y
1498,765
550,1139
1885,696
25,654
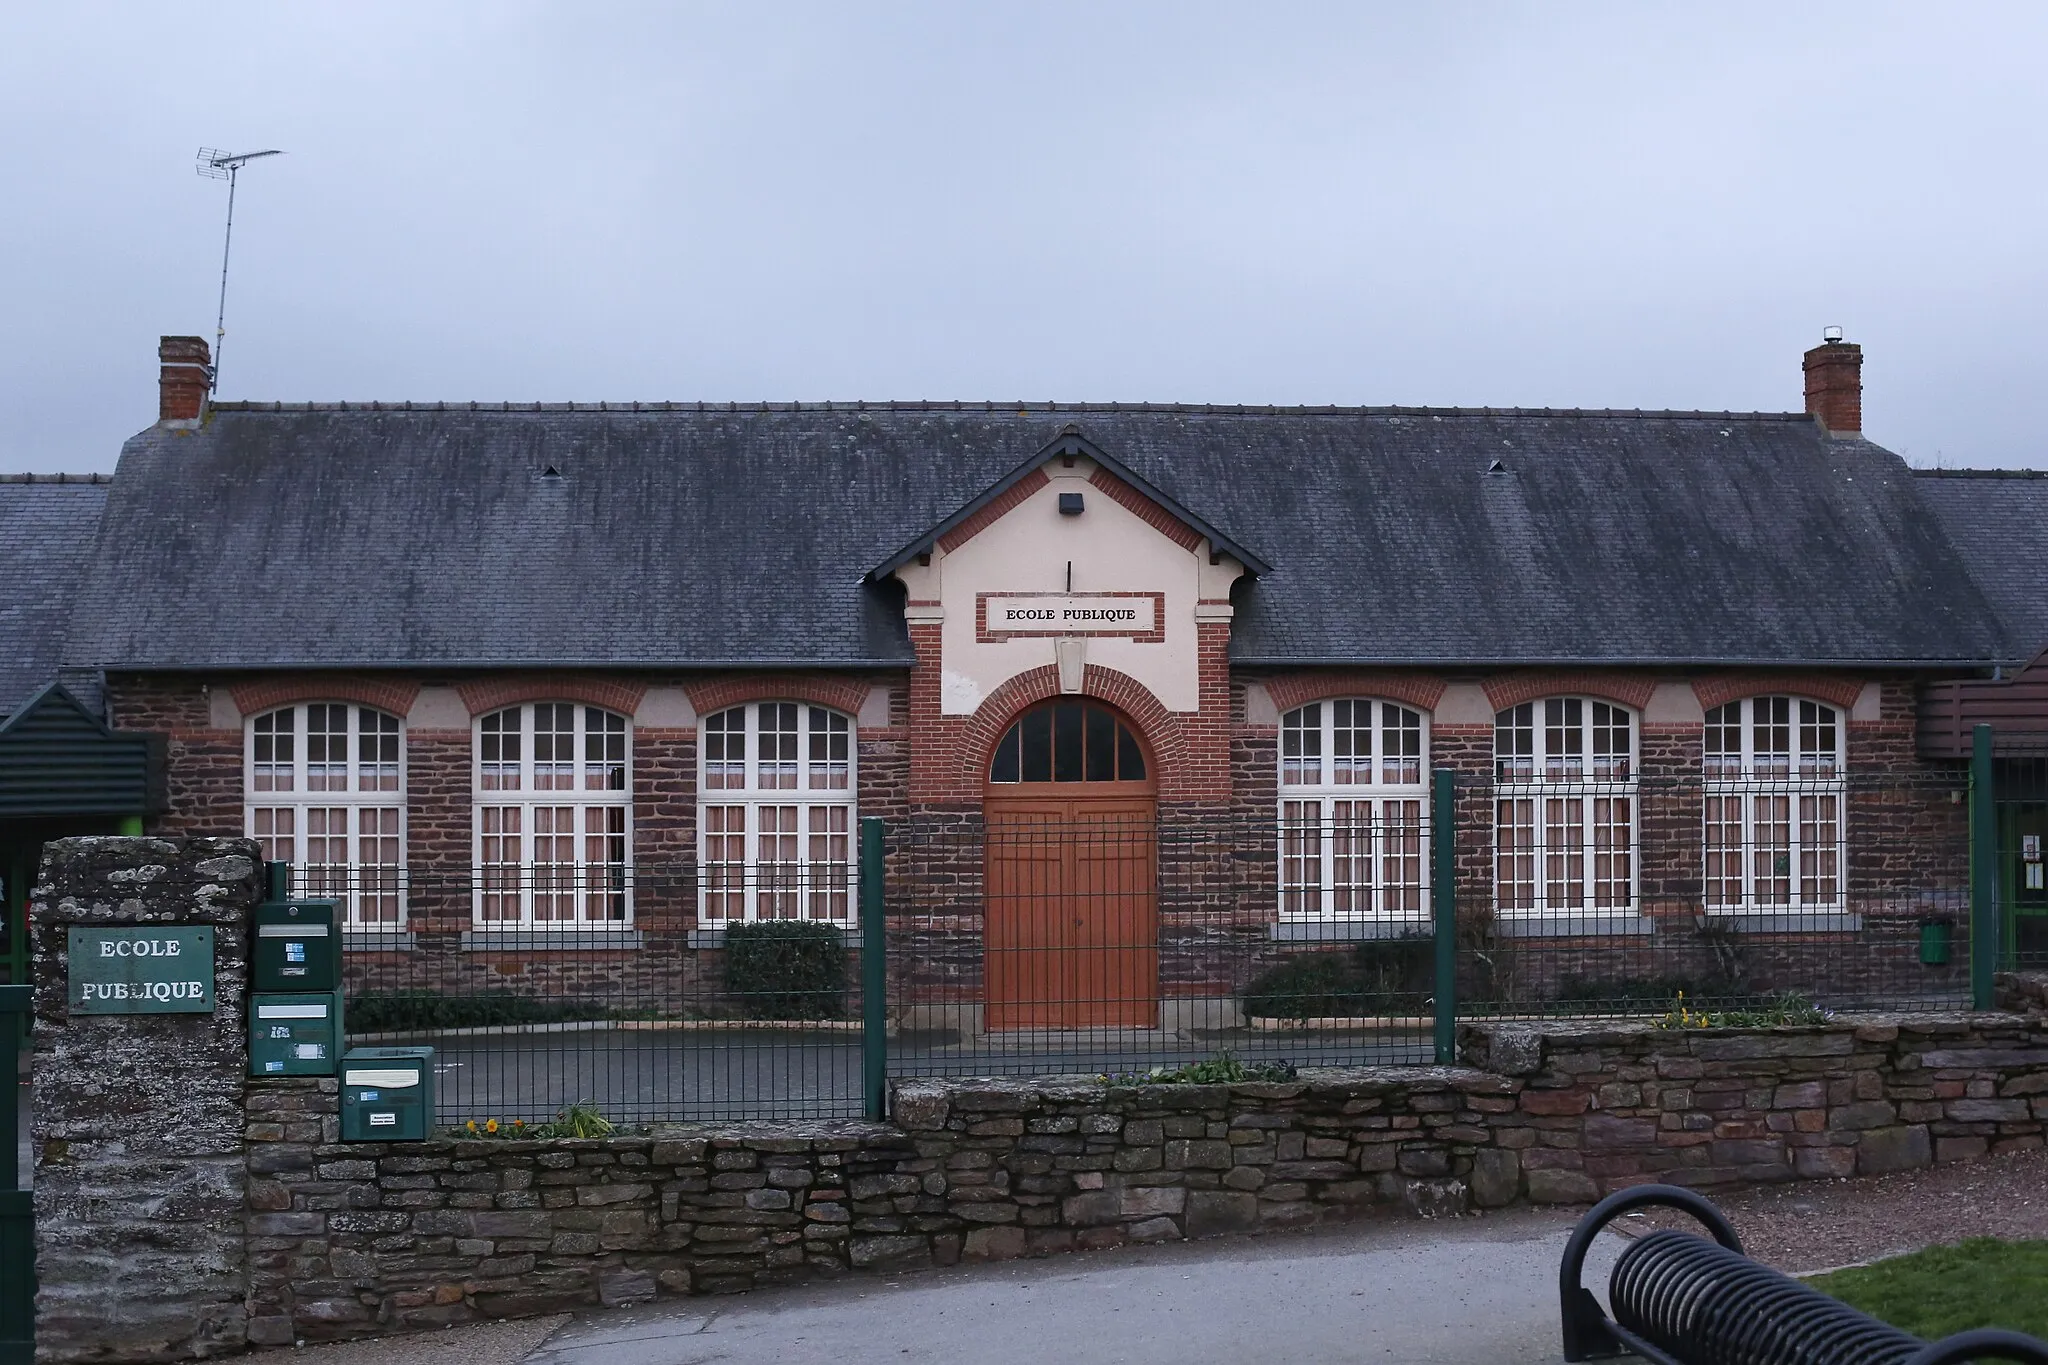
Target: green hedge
x,y
1393,976
408,1011
786,969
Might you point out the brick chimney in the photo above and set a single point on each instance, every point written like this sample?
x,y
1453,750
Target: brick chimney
x,y
1834,384
186,376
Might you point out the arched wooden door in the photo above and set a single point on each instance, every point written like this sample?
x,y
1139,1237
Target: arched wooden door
x,y
1072,925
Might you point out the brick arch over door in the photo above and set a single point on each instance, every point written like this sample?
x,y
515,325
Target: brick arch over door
x,y
1163,731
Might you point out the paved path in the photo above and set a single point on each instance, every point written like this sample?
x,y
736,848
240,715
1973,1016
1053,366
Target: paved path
x,y
1470,1291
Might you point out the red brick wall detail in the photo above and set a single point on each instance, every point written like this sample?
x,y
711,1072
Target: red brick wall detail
x,y
395,695
839,693
994,512
1191,752
1726,687
1410,689
1512,689
488,694
1146,510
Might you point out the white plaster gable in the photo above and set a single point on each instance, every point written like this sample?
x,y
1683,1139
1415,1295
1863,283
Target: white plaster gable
x,y
1033,549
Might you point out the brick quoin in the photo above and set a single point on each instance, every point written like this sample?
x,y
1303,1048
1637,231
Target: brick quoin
x,y
823,689
492,693
1724,688
1011,497
1512,689
393,695
1410,689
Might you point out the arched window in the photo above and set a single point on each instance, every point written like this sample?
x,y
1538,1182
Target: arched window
x,y
1565,808
1353,843
775,814
554,796
324,790
1774,805
1068,741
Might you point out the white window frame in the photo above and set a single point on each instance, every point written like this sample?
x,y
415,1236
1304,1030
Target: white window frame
x,y
584,883
1552,807
1354,827
1779,790
777,826
292,805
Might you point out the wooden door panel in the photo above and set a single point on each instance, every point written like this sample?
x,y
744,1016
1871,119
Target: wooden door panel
x,y
1071,937
1022,962
1115,933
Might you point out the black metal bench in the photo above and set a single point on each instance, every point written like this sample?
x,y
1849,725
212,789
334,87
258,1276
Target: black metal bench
x,y
1680,1299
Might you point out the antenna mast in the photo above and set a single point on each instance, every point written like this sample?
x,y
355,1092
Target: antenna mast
x,y
215,164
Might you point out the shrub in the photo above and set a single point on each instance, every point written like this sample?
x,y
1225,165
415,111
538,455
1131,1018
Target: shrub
x,y
1378,976
412,1011
786,969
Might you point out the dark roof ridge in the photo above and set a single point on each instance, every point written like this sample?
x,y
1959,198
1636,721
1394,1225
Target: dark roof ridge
x,y
958,405
1919,473
56,478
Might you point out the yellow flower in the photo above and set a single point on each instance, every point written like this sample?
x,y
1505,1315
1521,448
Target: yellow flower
x,y
491,1126
471,1125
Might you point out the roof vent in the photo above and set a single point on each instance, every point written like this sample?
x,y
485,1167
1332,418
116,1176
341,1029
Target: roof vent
x,y
1496,468
551,473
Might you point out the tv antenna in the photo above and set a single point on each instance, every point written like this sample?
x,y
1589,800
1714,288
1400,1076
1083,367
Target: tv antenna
x,y
215,164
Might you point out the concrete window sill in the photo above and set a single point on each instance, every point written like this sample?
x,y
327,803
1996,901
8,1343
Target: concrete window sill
x,y
1571,926
1347,931
552,940
715,938
378,940
1786,922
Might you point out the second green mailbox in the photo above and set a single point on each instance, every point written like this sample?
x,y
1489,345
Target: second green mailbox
x,y
387,1094
296,1034
296,948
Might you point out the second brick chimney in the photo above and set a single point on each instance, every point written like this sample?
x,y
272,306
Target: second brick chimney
x,y
185,378
1834,385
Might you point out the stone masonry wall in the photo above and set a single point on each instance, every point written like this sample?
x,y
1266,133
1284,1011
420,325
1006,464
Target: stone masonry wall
x,y
349,1240
139,1163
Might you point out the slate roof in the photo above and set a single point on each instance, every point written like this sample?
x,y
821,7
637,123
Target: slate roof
x,y
1998,521
705,535
47,526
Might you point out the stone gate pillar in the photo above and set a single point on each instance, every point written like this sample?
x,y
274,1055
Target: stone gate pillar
x,y
139,1067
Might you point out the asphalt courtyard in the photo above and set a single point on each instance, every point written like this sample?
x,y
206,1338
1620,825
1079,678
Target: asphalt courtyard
x,y
1475,1291
682,1075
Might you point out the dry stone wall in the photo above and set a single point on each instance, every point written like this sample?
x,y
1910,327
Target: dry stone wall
x,y
352,1239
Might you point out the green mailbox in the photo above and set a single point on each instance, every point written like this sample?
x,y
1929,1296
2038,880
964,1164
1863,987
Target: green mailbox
x,y
298,1034
387,1094
296,947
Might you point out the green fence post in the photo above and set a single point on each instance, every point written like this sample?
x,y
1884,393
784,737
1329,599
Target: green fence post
x,y
874,972
1984,899
1444,902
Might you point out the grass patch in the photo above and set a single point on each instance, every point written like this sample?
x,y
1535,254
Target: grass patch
x,y
1224,1068
1787,1007
1982,1282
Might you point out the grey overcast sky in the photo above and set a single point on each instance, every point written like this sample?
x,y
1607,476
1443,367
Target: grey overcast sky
x,y
1563,205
